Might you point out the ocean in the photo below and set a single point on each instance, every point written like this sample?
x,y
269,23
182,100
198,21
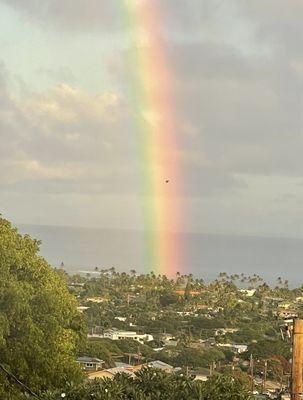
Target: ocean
x,y
205,255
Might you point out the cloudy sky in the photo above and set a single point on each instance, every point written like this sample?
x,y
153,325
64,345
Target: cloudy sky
x,y
68,151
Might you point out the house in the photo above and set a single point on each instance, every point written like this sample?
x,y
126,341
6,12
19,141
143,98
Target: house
x,y
224,331
225,345
236,348
287,314
167,336
97,299
239,348
122,335
121,319
75,284
210,342
110,373
161,365
285,305
248,292
181,292
81,309
100,374
170,343
120,364
139,367
90,363
203,306
186,314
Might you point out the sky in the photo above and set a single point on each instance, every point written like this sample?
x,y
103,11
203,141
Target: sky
x,y
68,153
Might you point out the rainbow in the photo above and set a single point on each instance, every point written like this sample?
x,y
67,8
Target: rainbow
x,y
152,100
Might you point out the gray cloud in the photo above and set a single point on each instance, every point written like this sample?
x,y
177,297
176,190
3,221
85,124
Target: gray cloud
x,y
101,15
276,21
67,141
69,14
245,110
56,76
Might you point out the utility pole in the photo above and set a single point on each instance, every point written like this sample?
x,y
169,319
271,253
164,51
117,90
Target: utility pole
x,y
264,376
138,355
252,372
297,361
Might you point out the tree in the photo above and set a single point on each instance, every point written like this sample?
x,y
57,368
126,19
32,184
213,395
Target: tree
x,y
151,384
198,358
167,299
226,387
268,348
40,327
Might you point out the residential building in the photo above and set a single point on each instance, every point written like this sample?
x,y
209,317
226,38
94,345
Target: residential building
x,y
110,373
224,331
90,363
161,365
97,299
236,348
122,335
121,319
81,309
239,348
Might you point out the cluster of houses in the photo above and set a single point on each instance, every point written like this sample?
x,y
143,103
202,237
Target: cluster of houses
x,y
115,334
95,368
168,339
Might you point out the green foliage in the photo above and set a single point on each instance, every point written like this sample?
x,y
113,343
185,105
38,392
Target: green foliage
x,y
40,327
167,299
226,387
268,348
152,384
104,349
198,358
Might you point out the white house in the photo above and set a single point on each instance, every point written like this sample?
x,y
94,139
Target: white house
x,y
121,319
122,335
239,348
236,348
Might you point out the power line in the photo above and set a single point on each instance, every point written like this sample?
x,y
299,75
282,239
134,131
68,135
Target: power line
x,y
11,375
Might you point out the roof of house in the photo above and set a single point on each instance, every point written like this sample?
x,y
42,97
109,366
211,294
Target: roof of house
x,y
86,359
159,364
110,373
122,365
120,370
99,374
